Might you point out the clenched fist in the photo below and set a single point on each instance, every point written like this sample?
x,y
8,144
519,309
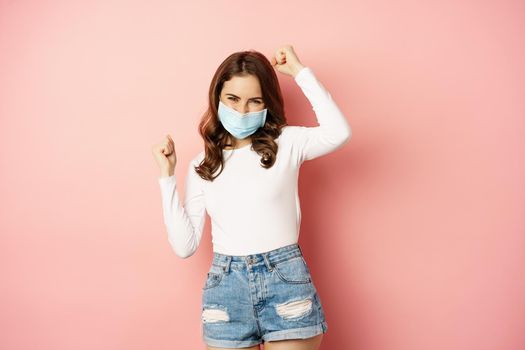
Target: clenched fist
x,y
164,154
286,61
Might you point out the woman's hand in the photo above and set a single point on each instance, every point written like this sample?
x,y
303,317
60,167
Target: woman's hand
x,y
164,154
286,61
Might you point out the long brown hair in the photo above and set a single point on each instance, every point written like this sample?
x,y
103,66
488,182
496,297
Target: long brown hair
x,y
214,134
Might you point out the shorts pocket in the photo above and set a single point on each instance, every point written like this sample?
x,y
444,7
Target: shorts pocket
x,y
293,270
214,277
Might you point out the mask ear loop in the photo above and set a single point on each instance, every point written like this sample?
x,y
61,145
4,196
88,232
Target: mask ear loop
x,y
264,118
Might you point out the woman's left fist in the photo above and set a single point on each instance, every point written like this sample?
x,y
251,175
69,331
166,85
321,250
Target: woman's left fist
x,y
286,61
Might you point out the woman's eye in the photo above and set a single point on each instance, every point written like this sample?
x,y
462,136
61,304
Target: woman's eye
x,y
235,99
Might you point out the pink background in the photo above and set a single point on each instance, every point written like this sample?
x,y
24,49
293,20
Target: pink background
x,y
414,230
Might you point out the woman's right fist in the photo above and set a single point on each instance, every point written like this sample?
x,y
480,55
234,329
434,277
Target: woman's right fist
x,y
164,154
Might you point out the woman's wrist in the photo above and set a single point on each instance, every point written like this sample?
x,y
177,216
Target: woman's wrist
x,y
166,173
296,69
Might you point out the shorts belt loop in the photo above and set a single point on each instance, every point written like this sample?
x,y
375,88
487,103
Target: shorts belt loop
x,y
227,264
298,246
267,262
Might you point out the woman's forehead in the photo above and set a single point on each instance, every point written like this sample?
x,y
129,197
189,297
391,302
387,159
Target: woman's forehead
x,y
243,86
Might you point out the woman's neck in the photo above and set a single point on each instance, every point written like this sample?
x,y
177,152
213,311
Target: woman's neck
x,y
239,143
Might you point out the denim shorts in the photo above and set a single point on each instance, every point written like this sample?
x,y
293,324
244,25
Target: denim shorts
x,y
250,299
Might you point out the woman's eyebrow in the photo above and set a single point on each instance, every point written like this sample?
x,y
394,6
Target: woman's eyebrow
x,y
253,98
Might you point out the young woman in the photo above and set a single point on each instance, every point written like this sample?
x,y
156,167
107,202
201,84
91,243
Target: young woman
x,y
258,287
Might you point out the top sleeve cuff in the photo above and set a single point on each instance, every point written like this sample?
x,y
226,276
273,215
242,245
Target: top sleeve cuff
x,y
167,179
302,72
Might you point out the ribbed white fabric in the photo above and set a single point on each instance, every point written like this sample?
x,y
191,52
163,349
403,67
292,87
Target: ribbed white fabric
x,y
253,209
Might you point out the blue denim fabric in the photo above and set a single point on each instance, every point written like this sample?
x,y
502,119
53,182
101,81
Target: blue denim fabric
x,y
244,299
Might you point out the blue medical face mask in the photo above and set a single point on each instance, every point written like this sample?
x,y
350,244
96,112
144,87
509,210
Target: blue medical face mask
x,y
238,124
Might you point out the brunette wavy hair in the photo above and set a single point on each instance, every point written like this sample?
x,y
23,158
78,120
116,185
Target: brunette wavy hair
x,y
214,134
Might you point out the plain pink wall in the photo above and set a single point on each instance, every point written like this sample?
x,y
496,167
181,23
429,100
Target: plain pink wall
x,y
414,230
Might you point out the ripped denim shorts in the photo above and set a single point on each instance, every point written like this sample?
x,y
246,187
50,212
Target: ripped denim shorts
x,y
251,299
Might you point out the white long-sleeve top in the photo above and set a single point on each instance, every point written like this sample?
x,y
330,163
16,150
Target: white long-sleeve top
x,y
253,209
